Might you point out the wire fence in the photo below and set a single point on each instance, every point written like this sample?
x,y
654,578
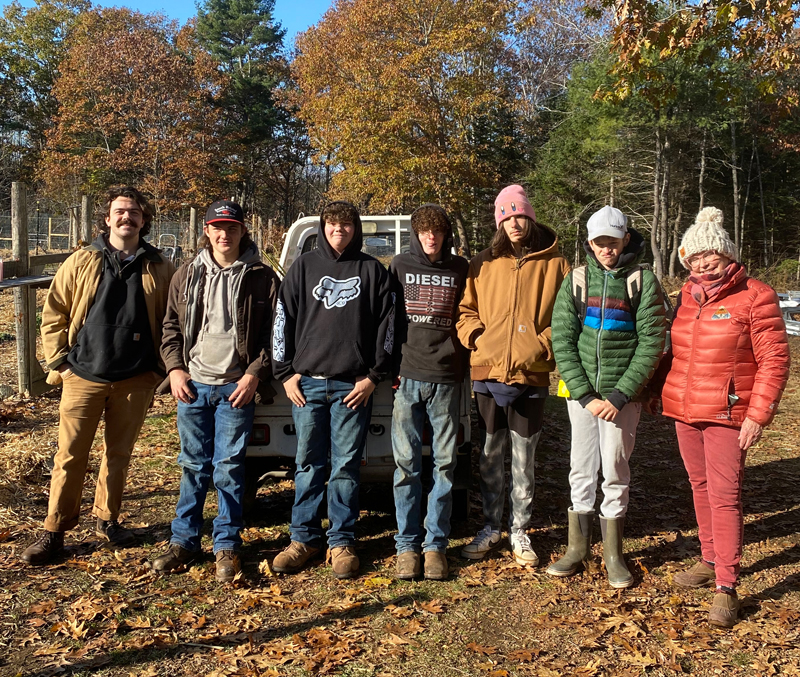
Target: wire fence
x,y
47,232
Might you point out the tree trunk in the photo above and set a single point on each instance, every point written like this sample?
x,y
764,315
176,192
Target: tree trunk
x,y
736,189
767,246
701,180
676,235
663,239
462,234
657,264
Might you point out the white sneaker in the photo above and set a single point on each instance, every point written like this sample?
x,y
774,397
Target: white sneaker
x,y
486,540
521,547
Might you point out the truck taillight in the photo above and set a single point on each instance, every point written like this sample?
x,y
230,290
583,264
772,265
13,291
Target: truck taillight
x,y
260,434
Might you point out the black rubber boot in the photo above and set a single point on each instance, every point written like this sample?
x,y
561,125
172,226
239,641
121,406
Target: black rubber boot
x,y
579,544
618,574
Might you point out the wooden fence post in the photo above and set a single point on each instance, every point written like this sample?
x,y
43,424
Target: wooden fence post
x,y
192,243
86,219
24,305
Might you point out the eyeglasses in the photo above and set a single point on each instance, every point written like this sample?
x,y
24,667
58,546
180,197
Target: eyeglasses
x,y
706,257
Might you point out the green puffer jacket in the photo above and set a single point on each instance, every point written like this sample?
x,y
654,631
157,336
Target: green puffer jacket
x,y
627,351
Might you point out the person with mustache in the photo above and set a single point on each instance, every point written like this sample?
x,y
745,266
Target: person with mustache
x,y
101,332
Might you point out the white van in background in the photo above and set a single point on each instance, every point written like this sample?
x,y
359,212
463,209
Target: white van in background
x,y
273,444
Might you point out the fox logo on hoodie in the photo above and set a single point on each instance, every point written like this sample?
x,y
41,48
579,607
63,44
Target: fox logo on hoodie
x,y
336,293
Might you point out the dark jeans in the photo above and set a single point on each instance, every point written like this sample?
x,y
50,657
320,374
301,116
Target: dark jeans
x,y
325,424
214,435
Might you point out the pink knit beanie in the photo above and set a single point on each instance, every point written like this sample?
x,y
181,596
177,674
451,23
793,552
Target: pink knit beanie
x,y
512,201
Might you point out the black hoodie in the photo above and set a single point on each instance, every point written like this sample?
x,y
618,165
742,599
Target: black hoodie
x,y
426,319
335,314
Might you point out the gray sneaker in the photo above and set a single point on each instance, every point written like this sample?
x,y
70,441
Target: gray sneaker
x,y
486,541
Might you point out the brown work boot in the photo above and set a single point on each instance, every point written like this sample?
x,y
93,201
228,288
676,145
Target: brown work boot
x,y
436,566
409,565
116,535
724,610
175,557
344,561
228,565
293,558
698,576
49,546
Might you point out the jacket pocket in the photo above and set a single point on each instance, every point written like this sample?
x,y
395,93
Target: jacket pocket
x,y
324,357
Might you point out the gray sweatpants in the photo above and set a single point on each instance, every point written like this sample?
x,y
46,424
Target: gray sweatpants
x,y
596,442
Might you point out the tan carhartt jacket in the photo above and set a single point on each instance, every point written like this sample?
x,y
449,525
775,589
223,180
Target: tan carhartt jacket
x,y
505,313
72,293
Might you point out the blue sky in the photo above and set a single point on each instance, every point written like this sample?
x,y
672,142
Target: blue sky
x,y
294,15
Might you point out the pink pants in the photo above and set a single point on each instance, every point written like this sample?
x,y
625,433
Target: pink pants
x,y
715,464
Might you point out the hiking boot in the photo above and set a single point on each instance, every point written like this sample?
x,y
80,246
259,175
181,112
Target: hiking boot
x,y
436,566
228,565
175,557
521,547
725,610
344,561
486,540
618,574
409,565
49,546
114,533
698,576
579,544
293,558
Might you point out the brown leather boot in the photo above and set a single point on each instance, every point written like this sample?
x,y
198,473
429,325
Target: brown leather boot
x,y
49,546
228,565
724,611
344,561
409,565
175,557
436,568
294,558
116,535
698,576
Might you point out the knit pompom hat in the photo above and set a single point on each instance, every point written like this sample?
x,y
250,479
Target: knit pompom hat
x,y
707,234
512,201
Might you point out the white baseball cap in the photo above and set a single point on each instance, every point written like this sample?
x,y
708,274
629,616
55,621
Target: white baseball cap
x,y
607,221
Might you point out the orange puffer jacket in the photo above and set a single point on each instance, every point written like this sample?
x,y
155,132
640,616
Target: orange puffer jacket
x,y
730,356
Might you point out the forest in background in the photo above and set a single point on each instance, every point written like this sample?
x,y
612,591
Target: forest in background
x,y
658,108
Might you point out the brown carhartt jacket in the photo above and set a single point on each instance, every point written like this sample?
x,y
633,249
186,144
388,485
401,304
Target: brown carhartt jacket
x,y
505,313
72,294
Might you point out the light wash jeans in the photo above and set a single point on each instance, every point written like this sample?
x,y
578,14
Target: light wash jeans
x,y
413,400
325,424
597,443
214,438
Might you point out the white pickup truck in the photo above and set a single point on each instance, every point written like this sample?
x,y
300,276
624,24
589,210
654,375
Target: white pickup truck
x,y
273,444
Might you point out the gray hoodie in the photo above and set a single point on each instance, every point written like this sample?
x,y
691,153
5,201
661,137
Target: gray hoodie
x,y
213,359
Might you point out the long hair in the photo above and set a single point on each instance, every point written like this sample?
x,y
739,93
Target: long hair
x,y
132,194
501,244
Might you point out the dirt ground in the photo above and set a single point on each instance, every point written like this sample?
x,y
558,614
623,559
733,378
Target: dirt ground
x,y
100,612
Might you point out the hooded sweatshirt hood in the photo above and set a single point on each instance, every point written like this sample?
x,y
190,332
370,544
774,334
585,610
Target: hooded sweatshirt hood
x,y
427,315
353,248
212,294
416,249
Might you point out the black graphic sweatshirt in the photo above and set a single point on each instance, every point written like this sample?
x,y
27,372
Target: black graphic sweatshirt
x,y
335,315
427,315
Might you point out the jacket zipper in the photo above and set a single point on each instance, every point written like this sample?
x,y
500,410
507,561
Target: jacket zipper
x,y
513,315
602,323
691,352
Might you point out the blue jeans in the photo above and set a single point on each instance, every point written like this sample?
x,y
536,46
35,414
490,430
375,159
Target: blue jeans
x,y
412,401
325,424
214,435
